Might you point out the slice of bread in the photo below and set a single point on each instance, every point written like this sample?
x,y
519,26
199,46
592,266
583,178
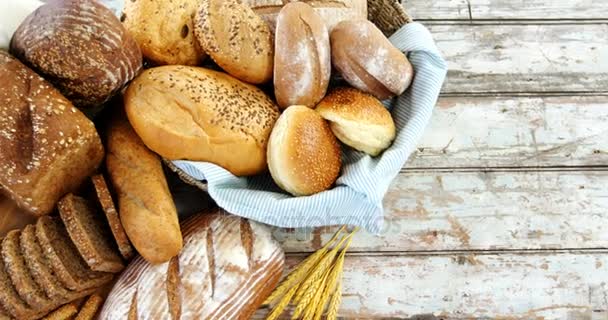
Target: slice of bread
x,y
90,308
64,259
88,234
37,265
107,204
17,270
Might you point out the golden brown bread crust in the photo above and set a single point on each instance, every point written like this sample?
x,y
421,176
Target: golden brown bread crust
x,y
48,147
302,65
80,47
147,211
12,217
164,30
368,61
90,308
303,153
202,115
236,38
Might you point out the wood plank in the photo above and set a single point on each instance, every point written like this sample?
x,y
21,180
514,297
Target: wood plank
x,y
430,211
524,58
562,286
489,132
506,9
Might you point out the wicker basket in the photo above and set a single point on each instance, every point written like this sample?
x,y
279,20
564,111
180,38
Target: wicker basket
x,y
388,15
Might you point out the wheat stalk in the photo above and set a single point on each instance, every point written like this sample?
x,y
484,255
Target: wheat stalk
x,y
334,304
280,307
308,299
312,308
301,270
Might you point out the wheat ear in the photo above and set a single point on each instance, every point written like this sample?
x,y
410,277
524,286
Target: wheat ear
x,y
334,304
301,270
283,303
309,312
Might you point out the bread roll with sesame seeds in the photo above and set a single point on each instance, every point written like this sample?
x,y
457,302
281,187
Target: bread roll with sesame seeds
x,y
164,30
236,38
48,146
190,113
81,48
302,65
303,153
358,119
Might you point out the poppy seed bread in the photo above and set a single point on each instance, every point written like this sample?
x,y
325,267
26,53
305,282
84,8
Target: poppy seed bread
x,y
89,234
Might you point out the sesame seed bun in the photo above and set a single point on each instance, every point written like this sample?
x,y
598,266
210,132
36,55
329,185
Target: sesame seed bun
x,y
303,153
190,113
358,119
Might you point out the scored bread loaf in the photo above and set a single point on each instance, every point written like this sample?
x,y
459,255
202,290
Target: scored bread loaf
x,y
331,11
147,210
228,266
81,47
48,147
189,113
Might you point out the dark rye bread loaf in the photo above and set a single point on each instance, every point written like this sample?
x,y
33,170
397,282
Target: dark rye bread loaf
x,y
48,147
12,303
107,204
89,234
37,265
64,259
17,270
79,46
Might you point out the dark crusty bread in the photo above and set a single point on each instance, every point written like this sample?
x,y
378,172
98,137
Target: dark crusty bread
x,y
90,308
64,259
48,147
37,265
17,270
107,204
79,46
89,234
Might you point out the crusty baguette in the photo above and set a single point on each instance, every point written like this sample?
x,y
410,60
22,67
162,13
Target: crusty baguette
x,y
146,208
228,267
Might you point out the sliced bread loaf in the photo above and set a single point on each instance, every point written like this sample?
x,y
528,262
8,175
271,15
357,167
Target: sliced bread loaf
x,y
64,259
37,265
107,204
89,234
17,270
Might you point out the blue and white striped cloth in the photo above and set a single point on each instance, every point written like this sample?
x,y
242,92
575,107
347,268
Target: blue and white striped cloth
x,y
357,197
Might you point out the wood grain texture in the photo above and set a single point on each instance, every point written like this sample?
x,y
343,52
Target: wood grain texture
x,y
524,58
515,132
430,211
506,9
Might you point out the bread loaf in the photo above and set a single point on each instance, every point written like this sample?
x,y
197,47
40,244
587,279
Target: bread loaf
x,y
227,268
331,11
48,147
164,30
147,211
303,154
236,38
358,119
368,61
202,115
302,65
12,217
80,47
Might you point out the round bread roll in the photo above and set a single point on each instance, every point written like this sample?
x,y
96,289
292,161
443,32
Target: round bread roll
x,y
303,153
236,38
197,114
164,30
79,46
331,11
358,120
368,61
302,64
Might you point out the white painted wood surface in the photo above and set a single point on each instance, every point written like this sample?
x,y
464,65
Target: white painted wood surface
x,y
506,9
437,211
489,132
524,58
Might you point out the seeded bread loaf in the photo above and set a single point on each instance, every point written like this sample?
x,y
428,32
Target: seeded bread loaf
x,y
228,266
64,259
89,234
107,204
12,302
81,47
48,147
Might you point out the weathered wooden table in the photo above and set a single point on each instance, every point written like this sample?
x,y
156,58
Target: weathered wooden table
x,y
503,211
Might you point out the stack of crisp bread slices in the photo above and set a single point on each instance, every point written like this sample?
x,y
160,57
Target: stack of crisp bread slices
x,y
59,260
